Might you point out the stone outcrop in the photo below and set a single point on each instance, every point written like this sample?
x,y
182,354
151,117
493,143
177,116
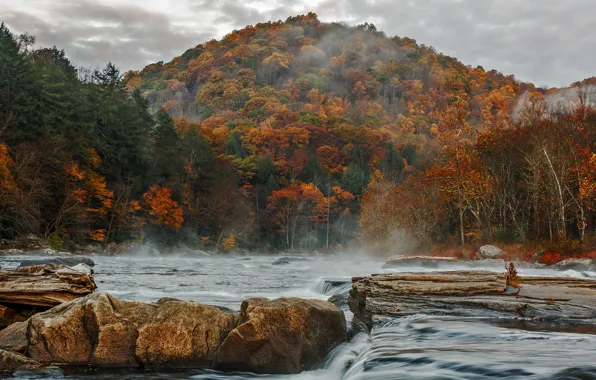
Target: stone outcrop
x,y
470,293
104,331
287,335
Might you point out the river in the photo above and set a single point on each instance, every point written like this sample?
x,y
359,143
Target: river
x,y
417,347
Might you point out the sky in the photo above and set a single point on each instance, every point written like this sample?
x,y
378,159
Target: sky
x,y
548,42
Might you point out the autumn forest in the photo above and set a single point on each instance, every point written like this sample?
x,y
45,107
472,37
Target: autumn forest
x,y
294,135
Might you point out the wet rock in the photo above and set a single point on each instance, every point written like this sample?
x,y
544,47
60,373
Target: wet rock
x,y
69,261
287,335
14,337
289,260
419,261
104,331
281,336
576,264
339,300
490,252
470,294
12,361
44,285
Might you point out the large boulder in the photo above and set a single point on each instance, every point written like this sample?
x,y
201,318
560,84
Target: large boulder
x,y
287,335
69,261
490,252
102,330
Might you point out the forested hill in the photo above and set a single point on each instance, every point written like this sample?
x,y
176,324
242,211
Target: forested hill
x,y
290,135
302,63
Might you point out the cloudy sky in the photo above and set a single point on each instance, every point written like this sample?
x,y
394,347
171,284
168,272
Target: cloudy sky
x,y
549,42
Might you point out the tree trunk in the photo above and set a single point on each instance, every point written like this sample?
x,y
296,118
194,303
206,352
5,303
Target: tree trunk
x,y
562,229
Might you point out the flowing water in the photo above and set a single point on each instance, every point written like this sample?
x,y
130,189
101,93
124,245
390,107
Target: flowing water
x,y
417,347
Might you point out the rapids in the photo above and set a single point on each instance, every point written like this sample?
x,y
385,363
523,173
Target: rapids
x,y
417,347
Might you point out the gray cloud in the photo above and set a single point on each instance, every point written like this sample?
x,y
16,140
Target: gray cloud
x,y
548,41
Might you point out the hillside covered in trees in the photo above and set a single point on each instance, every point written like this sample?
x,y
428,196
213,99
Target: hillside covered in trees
x,y
293,135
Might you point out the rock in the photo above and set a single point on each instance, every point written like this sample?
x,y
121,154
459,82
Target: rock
x,y
288,335
288,260
470,294
11,361
83,268
575,264
339,300
104,331
489,252
70,261
281,336
23,243
419,261
14,337
44,286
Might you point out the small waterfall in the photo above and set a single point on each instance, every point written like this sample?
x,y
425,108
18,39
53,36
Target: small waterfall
x,y
332,287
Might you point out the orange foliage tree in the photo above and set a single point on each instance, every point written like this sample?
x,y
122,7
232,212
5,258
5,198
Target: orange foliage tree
x,y
163,209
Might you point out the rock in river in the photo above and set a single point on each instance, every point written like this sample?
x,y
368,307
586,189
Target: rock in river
x,y
12,361
470,294
287,335
288,260
27,291
47,285
69,261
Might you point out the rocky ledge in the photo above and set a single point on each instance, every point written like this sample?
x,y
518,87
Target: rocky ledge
x,y
282,336
26,291
470,294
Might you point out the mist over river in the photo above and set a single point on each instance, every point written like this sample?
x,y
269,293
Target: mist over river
x,y
417,347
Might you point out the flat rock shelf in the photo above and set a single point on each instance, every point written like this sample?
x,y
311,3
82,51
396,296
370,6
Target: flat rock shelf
x,y
470,294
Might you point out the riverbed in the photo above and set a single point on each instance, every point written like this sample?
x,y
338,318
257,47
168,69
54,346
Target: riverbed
x,y
417,347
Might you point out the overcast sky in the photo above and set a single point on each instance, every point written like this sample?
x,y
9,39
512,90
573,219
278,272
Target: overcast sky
x,y
549,42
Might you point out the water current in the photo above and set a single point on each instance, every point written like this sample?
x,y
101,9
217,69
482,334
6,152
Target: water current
x,y
417,347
